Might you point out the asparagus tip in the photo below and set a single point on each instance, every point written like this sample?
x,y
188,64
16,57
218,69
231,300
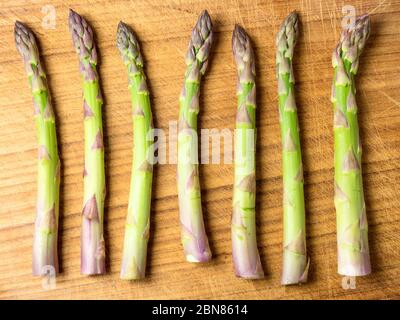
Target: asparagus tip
x,y
204,21
287,35
352,41
127,44
241,45
200,45
239,38
73,18
25,42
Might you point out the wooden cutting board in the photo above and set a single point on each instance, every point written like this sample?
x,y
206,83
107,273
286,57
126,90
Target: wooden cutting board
x,y
163,28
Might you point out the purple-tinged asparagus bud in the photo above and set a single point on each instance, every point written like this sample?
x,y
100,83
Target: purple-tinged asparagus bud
x,y
244,55
200,46
82,38
353,39
26,44
129,48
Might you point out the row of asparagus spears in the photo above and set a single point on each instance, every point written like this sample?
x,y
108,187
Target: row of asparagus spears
x,y
352,238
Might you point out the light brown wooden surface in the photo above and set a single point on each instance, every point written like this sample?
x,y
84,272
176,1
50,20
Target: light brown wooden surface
x,y
163,28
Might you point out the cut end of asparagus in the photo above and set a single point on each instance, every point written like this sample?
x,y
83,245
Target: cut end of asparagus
x,y
246,260
200,42
203,257
195,244
130,270
354,264
93,266
287,35
251,274
295,268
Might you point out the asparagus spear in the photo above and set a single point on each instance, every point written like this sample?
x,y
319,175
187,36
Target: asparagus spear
x,y
138,218
45,256
92,239
193,235
244,244
352,227
295,262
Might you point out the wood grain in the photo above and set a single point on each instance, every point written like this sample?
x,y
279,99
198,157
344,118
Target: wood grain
x,y
164,28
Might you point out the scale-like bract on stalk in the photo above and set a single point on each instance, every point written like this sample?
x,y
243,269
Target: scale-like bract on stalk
x,y
138,217
243,229
45,257
351,218
295,262
92,238
193,235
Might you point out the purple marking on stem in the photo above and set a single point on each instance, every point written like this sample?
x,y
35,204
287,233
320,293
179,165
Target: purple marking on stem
x,y
43,153
339,119
98,142
87,111
242,115
248,183
297,245
350,162
90,210
192,180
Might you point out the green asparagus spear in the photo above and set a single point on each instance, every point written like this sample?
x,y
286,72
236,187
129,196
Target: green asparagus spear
x,y
45,257
295,262
352,227
244,244
194,238
92,239
138,218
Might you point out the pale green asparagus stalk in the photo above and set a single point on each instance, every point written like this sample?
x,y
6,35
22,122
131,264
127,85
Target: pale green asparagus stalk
x,y
45,257
244,243
352,227
295,261
92,239
193,235
138,217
